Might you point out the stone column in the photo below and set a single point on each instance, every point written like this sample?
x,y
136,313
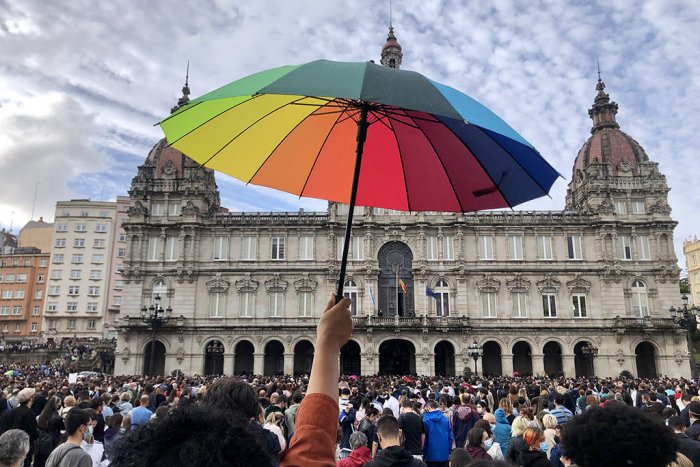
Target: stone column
x,y
228,363
288,363
537,364
507,364
258,363
570,366
369,363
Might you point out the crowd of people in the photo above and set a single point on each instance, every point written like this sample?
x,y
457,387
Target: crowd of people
x,y
325,419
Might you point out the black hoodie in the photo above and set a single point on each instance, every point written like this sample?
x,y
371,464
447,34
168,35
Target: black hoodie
x,y
395,456
533,459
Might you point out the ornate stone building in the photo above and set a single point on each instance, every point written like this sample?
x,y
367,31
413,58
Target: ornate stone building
x,y
535,289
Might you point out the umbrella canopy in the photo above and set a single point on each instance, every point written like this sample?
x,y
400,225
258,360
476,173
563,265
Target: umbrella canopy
x,y
361,134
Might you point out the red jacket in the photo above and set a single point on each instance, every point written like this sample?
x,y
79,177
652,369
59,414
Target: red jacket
x,y
315,431
357,458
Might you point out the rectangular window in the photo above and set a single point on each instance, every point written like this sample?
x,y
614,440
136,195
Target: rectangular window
x,y
247,303
77,258
431,248
60,243
35,310
42,263
122,238
94,290
4,310
16,310
75,273
54,290
56,274
379,211
5,327
74,290
216,305
7,294
21,278
91,323
19,293
306,304
277,248
72,306
61,227
519,305
99,243
27,263
442,304
92,306
157,209
71,324
693,260
153,249
84,213
174,209
515,247
340,241
544,247
40,279
119,268
58,258
621,207
18,327
448,248
38,295
79,242
579,303
696,278
625,247
1,278
81,227
118,285
549,305
121,252
276,304
358,248
34,327
51,306
485,247
95,274
488,304
306,248
638,207
170,249
9,278
643,251
117,300
220,248
249,248
98,259
573,244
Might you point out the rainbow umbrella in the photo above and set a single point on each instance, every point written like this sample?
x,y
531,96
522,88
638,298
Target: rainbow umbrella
x,y
363,135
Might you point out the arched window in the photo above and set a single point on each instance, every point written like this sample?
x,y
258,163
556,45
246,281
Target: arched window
x,y
442,301
640,302
159,288
350,291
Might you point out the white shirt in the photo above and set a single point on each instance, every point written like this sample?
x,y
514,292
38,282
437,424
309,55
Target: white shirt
x,y
393,404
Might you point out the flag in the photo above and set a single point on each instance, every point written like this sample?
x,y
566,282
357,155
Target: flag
x,y
371,295
430,293
402,285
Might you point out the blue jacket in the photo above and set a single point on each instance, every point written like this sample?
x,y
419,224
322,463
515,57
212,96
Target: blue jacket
x,y
502,431
438,437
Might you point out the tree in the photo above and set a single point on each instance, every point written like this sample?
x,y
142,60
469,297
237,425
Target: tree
x,y
684,285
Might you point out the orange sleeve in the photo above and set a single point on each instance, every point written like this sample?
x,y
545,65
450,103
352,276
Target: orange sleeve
x,y
315,431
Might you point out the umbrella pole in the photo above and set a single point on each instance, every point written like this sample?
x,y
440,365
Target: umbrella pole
x,y
362,125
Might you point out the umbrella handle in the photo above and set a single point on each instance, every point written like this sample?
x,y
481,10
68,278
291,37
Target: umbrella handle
x,y
362,125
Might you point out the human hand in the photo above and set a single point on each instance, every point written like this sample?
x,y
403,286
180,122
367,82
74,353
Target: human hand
x,y
335,327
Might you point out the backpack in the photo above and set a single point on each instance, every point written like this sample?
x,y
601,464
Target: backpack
x,y
44,444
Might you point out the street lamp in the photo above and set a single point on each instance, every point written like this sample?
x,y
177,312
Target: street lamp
x,y
589,353
156,317
685,317
475,351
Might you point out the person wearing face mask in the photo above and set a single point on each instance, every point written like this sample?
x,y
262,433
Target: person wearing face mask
x,y
534,455
70,454
476,444
492,447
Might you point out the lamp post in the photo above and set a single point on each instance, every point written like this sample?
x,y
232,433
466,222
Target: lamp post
x,y
156,317
685,317
589,353
475,351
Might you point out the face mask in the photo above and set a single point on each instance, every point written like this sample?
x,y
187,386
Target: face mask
x,y
544,445
90,429
493,425
480,410
488,443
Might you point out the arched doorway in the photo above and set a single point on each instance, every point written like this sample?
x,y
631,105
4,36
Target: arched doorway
x,y
158,359
303,357
522,358
395,263
582,362
491,361
274,358
350,363
214,358
397,357
243,362
646,360
553,365
444,359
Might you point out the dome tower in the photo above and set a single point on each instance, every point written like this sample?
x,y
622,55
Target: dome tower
x,y
391,52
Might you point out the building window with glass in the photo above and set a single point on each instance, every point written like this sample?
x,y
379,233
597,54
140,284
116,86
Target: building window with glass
x,y
358,248
625,247
442,300
217,304
306,248
519,304
350,291
153,249
549,305
515,247
488,304
247,304
276,304
306,304
573,244
220,248
579,305
431,248
277,248
248,248
643,251
485,247
640,302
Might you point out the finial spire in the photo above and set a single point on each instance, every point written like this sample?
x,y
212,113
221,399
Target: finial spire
x,y
391,22
391,52
185,99
603,111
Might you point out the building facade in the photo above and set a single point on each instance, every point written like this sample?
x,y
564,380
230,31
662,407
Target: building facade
x,y
534,289
691,251
36,234
79,271
23,278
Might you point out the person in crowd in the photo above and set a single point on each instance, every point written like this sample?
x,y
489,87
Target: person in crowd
x,y
114,434
125,404
412,429
23,418
346,419
141,415
367,425
517,443
502,430
493,449
14,447
291,413
476,443
464,416
617,435
459,457
549,422
563,414
688,446
50,424
273,424
438,436
360,452
98,405
693,430
70,454
68,404
392,453
535,454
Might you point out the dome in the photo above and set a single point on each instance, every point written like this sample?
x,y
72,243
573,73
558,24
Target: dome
x,y
608,144
391,41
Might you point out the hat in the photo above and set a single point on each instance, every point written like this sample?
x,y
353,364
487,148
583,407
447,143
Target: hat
x,y
27,393
694,409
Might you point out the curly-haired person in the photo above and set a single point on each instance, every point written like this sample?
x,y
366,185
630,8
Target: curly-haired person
x,y
617,435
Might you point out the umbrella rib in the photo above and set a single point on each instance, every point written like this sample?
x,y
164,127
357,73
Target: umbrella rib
x,y
318,154
437,155
244,130
403,170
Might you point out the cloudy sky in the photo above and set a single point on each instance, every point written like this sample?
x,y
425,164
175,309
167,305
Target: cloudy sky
x,y
83,82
